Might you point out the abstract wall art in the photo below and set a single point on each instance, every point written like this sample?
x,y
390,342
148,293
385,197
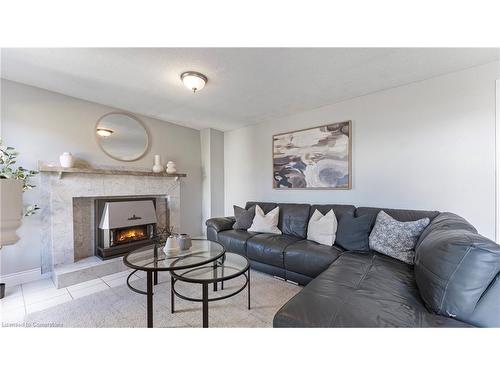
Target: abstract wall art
x,y
314,158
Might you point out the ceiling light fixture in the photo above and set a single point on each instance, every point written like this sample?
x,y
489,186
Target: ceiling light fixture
x,y
194,81
104,132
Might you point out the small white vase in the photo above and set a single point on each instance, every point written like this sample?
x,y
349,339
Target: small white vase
x,y
171,168
171,244
11,202
157,167
66,159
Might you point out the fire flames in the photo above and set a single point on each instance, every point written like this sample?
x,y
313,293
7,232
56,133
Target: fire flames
x,y
131,234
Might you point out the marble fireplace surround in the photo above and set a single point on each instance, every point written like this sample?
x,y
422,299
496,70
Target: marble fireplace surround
x,y
67,212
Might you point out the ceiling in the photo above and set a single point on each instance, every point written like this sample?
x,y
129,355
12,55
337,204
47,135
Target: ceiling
x,y
246,86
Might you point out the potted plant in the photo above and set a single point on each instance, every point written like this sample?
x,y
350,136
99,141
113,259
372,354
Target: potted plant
x,y
14,180
161,236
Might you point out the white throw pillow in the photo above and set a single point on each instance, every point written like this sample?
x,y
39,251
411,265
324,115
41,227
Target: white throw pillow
x,y
265,223
322,228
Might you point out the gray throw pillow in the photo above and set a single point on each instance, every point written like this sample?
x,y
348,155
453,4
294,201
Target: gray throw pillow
x,y
395,238
353,232
244,218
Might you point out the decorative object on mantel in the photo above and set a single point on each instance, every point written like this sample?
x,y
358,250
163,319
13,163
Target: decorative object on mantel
x,y
67,160
122,136
171,167
13,182
44,167
157,167
184,241
314,158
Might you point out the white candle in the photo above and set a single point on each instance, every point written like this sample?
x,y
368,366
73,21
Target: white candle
x,y
157,159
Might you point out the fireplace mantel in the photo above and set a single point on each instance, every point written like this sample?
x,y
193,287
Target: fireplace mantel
x,y
67,204
45,167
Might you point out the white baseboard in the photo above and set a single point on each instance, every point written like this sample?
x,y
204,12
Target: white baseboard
x,y
24,277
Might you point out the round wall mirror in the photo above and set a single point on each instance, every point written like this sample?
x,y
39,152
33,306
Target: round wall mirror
x,y
122,136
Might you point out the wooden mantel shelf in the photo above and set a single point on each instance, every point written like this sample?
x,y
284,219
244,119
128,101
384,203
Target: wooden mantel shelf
x,y
43,167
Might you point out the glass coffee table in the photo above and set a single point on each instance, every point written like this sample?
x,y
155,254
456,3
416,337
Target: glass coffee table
x,y
153,260
227,267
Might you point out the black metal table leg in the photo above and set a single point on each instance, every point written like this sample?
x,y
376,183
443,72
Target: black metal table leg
x,y
149,279
215,275
205,305
249,289
156,264
172,295
222,274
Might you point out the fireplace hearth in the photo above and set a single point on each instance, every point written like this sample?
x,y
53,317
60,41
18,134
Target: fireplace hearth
x,y
123,225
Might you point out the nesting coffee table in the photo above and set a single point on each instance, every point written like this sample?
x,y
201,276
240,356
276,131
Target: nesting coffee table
x,y
205,263
153,260
227,267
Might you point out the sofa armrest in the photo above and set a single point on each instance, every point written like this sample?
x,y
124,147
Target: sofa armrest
x,y
221,223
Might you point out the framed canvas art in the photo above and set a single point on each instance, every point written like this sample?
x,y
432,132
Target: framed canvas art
x,y
313,158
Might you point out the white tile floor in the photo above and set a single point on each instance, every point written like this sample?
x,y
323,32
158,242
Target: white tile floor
x,y
27,298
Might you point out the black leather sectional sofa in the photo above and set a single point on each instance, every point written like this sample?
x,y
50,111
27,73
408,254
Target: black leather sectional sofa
x,y
368,289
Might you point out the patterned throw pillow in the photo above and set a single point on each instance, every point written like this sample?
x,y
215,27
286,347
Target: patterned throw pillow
x,y
395,238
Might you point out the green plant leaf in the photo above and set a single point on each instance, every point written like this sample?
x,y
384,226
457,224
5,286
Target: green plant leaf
x,y
8,157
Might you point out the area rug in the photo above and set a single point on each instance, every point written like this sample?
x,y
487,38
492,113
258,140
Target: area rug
x,y
121,307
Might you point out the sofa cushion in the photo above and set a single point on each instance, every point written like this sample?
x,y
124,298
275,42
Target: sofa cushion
x,y
395,238
361,289
234,240
266,206
339,209
244,218
293,219
310,258
353,232
398,214
269,248
454,267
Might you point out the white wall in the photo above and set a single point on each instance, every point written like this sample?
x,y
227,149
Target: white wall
x,y
212,163
42,124
428,145
205,177
217,171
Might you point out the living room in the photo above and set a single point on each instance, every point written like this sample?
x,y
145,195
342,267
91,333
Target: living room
x,y
272,185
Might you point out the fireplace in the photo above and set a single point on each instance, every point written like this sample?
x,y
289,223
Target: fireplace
x,y
123,225
130,234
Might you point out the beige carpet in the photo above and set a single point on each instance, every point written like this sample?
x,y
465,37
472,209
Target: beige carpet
x,y
121,307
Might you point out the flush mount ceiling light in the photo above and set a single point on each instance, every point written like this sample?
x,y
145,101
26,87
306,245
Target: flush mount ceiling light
x,y
194,81
104,132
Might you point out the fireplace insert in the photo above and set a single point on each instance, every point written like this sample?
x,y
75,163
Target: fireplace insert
x,y
123,225
130,234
